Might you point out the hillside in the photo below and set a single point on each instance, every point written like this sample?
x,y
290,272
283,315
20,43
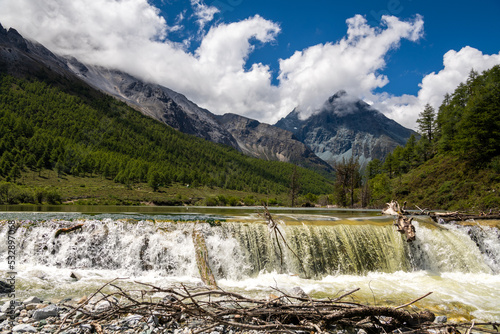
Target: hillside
x,y
51,123
456,163
19,56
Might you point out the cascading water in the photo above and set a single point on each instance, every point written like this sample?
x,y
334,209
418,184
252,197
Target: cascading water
x,y
243,255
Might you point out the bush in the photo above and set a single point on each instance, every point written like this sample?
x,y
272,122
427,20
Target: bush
x,y
53,197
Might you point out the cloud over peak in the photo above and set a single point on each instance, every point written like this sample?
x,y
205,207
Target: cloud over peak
x,y
310,76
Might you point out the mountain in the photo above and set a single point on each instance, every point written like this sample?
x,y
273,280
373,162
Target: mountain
x,y
346,127
21,56
268,142
249,136
156,101
53,123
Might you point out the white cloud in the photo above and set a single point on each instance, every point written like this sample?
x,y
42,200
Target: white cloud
x,y
203,12
457,66
131,35
310,76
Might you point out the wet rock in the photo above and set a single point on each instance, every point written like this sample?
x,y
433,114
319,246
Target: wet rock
x,y
32,300
46,312
298,292
75,276
22,328
102,306
442,319
5,287
7,305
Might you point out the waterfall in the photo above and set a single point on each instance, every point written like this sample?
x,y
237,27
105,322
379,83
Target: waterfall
x,y
238,250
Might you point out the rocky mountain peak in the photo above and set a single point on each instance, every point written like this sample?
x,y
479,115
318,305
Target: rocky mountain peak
x,y
346,126
336,96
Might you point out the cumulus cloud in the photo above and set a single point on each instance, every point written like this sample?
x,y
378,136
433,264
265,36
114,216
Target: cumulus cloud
x,y
132,35
310,76
457,66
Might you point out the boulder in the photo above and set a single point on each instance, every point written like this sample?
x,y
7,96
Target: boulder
x,y
46,312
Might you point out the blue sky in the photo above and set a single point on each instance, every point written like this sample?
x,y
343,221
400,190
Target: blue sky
x,y
261,59
448,25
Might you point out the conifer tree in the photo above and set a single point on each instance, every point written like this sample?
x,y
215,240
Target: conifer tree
x,y
427,122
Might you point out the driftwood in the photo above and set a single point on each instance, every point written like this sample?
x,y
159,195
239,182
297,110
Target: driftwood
x,y
286,313
402,222
275,231
393,209
405,226
201,253
446,217
67,230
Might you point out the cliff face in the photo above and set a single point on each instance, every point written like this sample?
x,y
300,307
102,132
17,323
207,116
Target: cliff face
x,y
156,101
346,127
268,142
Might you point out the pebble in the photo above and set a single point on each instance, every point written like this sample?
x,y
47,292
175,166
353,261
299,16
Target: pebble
x,y
43,323
24,329
32,300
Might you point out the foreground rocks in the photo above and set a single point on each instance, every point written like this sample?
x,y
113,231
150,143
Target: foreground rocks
x,y
34,315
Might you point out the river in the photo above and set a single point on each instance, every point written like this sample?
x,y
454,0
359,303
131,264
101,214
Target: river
x,y
334,251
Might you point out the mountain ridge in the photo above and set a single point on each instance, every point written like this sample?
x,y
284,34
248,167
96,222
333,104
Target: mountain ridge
x,y
345,126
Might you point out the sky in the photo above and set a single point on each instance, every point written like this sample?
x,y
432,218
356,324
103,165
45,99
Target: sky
x,y
261,59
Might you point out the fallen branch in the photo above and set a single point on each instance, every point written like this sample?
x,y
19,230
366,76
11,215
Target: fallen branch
x,y
67,230
201,253
286,313
274,229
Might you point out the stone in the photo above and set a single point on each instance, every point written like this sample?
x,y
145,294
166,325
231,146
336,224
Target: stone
x,y
32,300
75,276
298,292
30,307
46,312
102,306
23,328
442,319
78,315
8,304
132,320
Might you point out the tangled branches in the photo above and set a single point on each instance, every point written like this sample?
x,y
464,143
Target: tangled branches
x,y
286,313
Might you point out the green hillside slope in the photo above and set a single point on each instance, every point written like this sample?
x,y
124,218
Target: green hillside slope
x,y
67,130
456,162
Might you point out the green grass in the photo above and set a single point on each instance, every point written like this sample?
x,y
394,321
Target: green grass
x,y
102,191
446,182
